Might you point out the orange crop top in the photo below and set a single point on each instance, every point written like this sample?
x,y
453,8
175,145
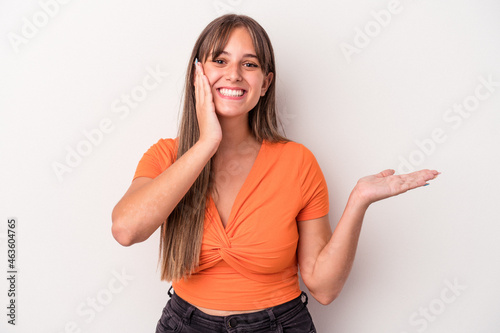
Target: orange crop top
x,y
252,263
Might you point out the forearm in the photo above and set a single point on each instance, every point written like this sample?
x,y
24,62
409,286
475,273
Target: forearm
x,y
335,260
139,213
326,267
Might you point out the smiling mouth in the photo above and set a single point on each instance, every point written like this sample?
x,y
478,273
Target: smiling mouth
x,y
231,92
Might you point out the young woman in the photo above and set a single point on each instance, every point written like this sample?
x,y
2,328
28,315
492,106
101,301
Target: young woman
x,y
240,206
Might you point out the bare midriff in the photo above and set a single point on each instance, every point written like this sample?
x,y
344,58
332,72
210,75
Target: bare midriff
x,y
223,313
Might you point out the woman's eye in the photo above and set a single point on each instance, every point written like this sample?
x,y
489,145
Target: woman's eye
x,y
248,64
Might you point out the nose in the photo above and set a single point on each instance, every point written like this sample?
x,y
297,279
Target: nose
x,y
233,72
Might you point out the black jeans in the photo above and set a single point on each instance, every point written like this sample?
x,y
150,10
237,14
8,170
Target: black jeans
x,y
290,317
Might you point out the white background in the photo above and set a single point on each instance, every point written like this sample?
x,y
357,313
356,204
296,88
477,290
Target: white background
x,y
359,114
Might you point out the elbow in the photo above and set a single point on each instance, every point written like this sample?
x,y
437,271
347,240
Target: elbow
x,y
120,232
121,235
325,298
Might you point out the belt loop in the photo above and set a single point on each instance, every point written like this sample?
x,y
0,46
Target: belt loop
x,y
304,298
270,313
188,315
169,292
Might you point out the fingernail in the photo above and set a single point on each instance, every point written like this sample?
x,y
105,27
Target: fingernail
x,y
426,184
196,61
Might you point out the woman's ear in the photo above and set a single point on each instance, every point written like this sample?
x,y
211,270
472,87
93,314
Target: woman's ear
x,y
267,82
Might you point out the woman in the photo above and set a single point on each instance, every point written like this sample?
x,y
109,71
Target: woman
x,y
239,205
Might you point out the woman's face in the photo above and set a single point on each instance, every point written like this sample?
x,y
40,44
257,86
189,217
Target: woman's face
x,y
236,76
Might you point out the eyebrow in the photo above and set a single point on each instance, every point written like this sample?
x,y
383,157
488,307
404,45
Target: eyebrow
x,y
246,55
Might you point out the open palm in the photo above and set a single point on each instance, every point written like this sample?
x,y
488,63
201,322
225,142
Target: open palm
x,y
386,184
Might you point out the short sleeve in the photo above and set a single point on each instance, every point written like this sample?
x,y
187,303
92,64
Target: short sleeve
x,y
157,159
315,202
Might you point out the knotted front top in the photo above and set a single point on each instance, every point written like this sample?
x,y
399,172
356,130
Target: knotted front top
x,y
252,263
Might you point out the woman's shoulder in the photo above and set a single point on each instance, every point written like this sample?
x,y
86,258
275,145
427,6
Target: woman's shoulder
x,y
166,144
163,151
290,147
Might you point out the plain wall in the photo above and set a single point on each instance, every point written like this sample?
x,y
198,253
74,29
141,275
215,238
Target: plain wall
x,y
365,85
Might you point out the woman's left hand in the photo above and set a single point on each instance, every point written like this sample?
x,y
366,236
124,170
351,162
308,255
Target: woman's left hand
x,y
386,184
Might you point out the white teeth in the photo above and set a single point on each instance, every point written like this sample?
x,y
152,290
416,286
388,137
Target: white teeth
x,y
231,92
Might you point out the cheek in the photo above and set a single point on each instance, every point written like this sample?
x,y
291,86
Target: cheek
x,y
210,80
257,82
212,77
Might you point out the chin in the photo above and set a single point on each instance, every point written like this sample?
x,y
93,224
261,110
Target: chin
x,y
231,113
226,111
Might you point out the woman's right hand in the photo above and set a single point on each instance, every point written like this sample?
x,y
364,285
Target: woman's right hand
x,y
137,215
210,129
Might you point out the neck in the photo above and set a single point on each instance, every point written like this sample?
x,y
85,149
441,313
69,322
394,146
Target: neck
x,y
235,133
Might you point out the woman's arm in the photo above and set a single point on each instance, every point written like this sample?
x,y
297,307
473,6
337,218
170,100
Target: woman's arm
x,y
148,202
325,260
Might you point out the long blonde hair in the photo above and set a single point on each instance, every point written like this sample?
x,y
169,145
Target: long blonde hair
x,y
182,232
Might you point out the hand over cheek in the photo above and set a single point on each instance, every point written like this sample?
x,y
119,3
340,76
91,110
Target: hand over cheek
x,y
205,109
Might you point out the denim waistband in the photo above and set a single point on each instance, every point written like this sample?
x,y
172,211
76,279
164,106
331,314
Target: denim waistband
x,y
269,316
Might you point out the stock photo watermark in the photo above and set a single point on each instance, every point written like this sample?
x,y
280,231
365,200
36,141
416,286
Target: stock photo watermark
x,y
49,9
88,309
363,37
93,137
425,315
453,117
31,26
12,271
